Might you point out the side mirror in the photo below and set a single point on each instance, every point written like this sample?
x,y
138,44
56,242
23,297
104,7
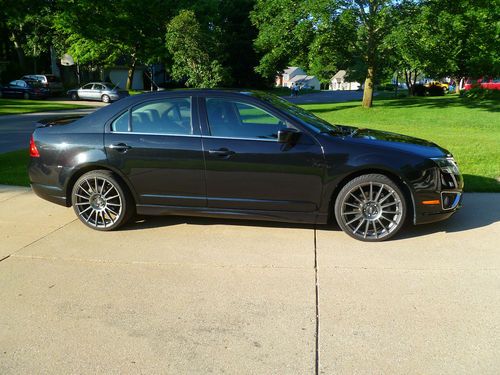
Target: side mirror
x,y
288,135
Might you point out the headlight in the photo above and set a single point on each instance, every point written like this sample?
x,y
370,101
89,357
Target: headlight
x,y
447,165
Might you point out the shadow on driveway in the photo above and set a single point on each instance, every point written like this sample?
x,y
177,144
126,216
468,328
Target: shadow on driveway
x,y
479,210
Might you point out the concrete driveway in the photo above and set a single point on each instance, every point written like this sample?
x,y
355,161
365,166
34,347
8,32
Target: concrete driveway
x,y
195,296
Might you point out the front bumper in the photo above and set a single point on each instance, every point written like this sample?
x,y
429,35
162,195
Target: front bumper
x,y
442,201
425,214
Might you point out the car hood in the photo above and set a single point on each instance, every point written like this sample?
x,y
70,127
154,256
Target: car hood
x,y
391,140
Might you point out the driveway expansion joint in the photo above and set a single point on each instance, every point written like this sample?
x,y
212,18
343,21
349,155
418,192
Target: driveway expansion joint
x,y
157,264
316,288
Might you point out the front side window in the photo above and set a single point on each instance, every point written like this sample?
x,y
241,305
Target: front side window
x,y
167,116
233,119
88,86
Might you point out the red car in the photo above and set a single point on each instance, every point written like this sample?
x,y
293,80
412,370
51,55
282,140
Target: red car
x,y
489,83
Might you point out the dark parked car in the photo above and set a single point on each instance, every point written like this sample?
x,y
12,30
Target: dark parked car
x,y
25,89
49,81
102,91
246,155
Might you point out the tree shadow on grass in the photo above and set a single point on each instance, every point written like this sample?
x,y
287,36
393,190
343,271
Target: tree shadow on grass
x,y
489,105
481,184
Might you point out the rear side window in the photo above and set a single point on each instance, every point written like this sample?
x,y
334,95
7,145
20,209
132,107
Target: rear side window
x,y
167,116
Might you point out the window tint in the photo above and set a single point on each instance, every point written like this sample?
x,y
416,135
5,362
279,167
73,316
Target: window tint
x,y
121,123
99,87
88,86
229,118
168,116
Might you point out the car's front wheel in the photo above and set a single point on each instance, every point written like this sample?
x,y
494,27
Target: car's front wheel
x,y
106,99
101,202
371,207
26,96
74,96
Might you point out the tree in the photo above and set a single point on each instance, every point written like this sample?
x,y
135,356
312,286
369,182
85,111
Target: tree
x,y
446,38
374,22
108,32
323,35
193,52
29,24
285,34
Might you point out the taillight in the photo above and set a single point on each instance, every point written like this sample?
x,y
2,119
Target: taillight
x,y
33,150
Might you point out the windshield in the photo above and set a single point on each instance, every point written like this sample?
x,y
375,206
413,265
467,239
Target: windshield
x,y
313,122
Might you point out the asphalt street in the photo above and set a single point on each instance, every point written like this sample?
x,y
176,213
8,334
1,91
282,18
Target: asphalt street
x,y
175,295
15,130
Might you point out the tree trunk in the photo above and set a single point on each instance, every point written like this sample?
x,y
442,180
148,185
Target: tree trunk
x,y
408,83
131,71
368,91
19,51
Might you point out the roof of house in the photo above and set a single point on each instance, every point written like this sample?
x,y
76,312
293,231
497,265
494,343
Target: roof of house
x,y
302,78
340,74
291,69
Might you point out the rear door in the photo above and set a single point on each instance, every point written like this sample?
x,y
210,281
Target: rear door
x,y
246,168
157,145
97,91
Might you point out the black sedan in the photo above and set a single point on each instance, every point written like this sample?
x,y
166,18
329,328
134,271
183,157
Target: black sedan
x,y
246,155
26,89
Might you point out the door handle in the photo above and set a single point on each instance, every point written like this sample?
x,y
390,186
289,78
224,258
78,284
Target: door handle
x,y
222,152
120,147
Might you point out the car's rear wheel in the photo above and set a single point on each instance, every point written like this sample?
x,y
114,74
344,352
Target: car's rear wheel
x,y
74,96
106,99
101,202
371,207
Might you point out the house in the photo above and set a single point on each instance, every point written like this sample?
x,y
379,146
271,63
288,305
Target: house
x,y
295,75
338,82
305,82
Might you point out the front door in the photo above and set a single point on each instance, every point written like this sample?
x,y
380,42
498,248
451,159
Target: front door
x,y
85,92
157,144
246,168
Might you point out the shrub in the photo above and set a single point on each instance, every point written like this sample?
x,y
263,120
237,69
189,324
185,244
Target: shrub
x,y
419,90
435,90
480,93
385,87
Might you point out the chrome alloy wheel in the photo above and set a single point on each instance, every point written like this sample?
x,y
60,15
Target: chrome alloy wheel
x,y
98,202
372,210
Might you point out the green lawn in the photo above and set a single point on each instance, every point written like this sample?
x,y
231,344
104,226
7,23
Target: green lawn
x,y
13,168
469,129
18,106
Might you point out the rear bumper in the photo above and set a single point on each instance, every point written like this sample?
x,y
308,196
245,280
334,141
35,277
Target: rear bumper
x,y
51,193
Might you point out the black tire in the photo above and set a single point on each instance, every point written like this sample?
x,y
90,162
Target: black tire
x,y
26,96
74,96
101,201
371,208
106,99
